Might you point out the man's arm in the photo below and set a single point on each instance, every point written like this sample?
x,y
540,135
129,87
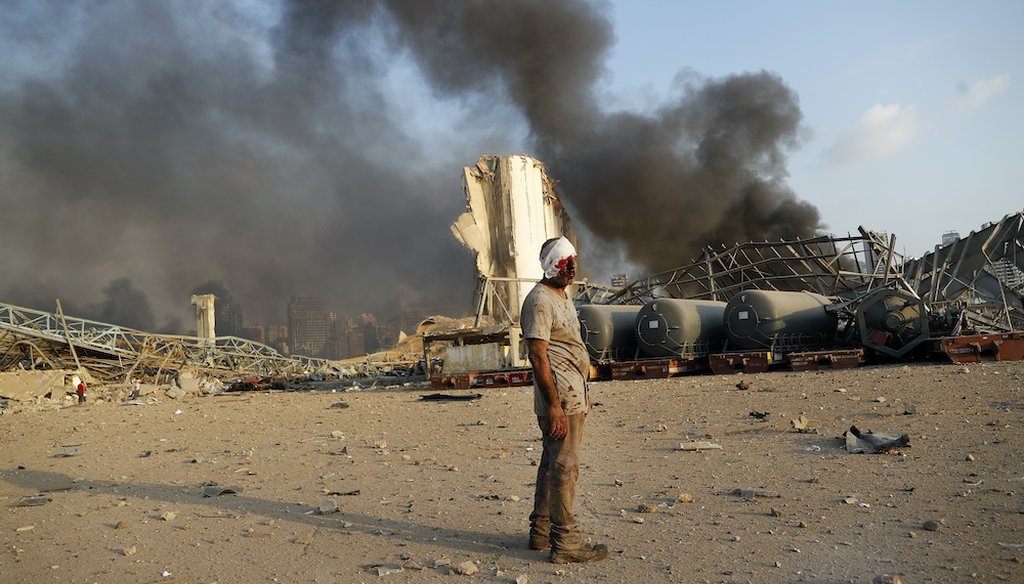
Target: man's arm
x,y
546,382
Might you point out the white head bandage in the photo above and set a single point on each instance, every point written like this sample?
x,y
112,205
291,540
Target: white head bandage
x,y
554,253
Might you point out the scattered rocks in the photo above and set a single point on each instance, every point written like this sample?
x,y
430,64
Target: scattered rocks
x,y
175,393
337,434
327,507
801,424
931,525
699,445
169,516
887,579
646,508
751,494
128,551
638,520
775,512
969,458
121,525
467,568
685,498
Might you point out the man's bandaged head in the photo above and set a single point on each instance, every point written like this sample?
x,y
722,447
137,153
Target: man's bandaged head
x,y
556,256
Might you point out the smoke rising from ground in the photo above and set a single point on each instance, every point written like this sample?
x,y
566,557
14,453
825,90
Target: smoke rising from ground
x,y
707,169
146,148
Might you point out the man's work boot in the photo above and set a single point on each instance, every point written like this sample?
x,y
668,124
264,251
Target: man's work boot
x,y
594,552
539,542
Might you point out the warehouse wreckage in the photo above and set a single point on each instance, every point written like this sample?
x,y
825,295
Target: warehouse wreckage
x,y
816,302
823,301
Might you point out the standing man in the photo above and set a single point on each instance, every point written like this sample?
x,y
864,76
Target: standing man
x,y
560,369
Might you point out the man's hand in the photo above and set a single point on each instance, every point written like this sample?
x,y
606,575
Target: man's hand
x,y
559,422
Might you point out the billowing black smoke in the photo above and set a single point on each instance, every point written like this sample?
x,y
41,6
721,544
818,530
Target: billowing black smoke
x,y
706,169
262,145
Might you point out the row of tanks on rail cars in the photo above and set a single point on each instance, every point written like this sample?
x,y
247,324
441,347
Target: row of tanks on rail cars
x,y
758,328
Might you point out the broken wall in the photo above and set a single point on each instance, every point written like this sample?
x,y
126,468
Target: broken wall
x,y
513,207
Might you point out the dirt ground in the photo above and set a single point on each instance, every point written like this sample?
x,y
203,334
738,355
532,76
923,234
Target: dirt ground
x,y
423,487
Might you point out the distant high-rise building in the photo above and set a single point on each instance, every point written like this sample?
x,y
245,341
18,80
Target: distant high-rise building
x,y
277,337
229,318
331,348
307,325
950,237
350,337
255,332
371,338
619,280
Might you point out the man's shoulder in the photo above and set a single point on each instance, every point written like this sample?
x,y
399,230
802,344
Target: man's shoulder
x,y
537,295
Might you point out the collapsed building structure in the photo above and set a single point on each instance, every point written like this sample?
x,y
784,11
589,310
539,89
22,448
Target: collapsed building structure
x,y
113,352
806,303
512,208
823,301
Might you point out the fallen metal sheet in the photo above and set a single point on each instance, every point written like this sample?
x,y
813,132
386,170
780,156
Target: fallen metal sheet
x,y
702,445
873,443
449,397
214,491
751,494
33,500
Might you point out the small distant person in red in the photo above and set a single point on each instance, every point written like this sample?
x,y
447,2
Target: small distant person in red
x,y
81,392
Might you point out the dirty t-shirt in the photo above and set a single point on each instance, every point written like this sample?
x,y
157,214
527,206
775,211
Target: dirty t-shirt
x,y
549,317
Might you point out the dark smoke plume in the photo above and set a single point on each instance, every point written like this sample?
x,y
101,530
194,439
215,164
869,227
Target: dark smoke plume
x,y
269,146
707,169
183,145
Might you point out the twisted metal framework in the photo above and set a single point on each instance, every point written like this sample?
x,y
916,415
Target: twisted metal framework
x,y
962,274
845,267
111,352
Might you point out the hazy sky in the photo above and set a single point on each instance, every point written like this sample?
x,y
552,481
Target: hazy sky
x,y
914,111
280,147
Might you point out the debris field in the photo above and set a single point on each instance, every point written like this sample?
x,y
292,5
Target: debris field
x,y
690,479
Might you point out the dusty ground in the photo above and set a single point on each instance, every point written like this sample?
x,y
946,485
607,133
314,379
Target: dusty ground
x,y
442,483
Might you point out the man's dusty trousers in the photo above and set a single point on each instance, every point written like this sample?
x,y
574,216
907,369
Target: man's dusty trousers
x,y
556,486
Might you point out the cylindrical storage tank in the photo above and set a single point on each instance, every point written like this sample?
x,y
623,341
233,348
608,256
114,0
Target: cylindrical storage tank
x,y
780,321
673,327
892,322
607,331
